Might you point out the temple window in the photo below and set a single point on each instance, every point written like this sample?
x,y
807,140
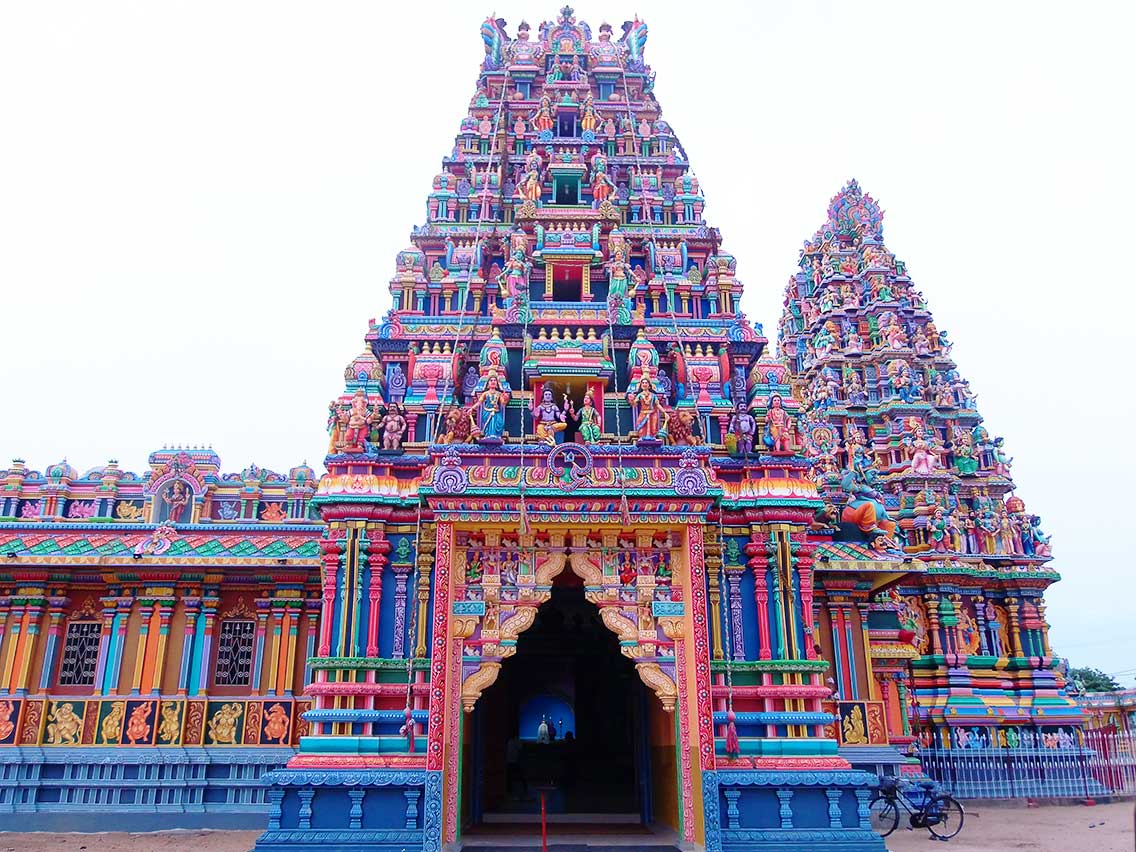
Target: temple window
x,y
80,654
566,124
234,652
524,88
606,90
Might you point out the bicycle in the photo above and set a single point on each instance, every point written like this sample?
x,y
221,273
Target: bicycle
x,y
928,808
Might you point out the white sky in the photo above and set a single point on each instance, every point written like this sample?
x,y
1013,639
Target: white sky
x,y
200,204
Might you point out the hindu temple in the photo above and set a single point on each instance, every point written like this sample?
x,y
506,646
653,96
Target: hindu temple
x,y
583,538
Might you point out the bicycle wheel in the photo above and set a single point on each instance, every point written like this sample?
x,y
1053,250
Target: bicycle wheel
x,y
950,818
884,814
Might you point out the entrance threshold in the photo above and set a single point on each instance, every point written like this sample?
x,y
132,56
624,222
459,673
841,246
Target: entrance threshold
x,y
589,819
597,834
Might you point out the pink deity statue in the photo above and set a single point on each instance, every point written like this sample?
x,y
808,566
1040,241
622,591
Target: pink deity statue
x,y
176,499
357,418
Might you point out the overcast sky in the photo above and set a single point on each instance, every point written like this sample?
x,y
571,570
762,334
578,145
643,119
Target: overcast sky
x,y
200,204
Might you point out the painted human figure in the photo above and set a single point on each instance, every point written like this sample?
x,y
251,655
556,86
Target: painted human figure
x,y
646,410
515,275
548,420
176,499
939,531
490,407
778,427
542,118
923,458
744,427
588,419
393,426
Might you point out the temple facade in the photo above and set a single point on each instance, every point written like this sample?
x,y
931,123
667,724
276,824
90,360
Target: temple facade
x,y
581,539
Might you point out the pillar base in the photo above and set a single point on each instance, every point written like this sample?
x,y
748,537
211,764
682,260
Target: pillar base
x,y
360,810
821,811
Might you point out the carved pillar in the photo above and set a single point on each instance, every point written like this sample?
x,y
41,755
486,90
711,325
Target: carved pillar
x,y
1044,629
158,664
378,548
1013,608
145,615
932,606
109,610
263,613
208,625
425,560
55,608
737,627
714,570
191,606
402,578
980,619
330,551
758,551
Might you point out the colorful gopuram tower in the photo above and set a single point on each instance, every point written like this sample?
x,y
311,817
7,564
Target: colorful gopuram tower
x,y
565,403
912,477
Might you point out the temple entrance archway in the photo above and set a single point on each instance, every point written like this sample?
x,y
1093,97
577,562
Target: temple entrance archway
x,y
645,583
595,766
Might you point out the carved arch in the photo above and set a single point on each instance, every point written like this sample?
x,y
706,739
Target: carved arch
x,y
523,616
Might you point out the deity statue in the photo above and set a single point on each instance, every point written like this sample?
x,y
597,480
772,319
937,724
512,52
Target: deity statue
x,y
854,387
223,728
111,725
939,531
169,730
548,419
606,53
276,723
924,461
357,419
64,725
588,419
647,411
852,727
542,119
176,499
274,513
865,506
602,184
778,427
393,425
125,511
1001,460
743,426
825,341
621,290
489,406
138,727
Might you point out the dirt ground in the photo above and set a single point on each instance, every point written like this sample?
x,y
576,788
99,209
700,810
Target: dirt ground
x,y
1072,828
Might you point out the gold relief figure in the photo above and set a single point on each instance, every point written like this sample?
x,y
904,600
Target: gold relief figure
x,y
128,512
63,725
853,727
111,727
170,727
223,724
276,723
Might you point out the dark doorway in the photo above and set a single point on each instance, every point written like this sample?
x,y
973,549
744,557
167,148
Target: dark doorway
x,y
568,671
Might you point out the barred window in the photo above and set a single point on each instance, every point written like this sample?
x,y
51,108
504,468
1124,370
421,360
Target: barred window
x,y
234,652
80,654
